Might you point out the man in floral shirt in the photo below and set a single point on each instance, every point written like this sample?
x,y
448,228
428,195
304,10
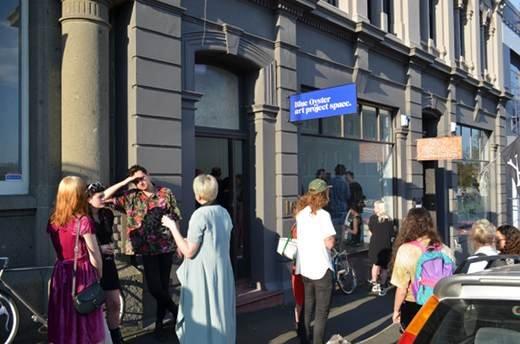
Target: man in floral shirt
x,y
144,206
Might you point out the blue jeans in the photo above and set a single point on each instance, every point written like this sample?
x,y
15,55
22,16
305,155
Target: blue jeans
x,y
318,296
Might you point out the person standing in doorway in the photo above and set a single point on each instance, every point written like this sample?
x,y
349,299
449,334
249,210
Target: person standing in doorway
x,y
145,205
316,237
104,223
207,300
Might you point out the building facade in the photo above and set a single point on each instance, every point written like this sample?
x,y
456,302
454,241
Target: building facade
x,y
93,86
511,33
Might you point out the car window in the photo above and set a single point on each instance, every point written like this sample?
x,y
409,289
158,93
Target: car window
x,y
461,321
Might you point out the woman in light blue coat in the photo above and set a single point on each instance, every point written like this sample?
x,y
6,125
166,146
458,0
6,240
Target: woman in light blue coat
x,y
207,298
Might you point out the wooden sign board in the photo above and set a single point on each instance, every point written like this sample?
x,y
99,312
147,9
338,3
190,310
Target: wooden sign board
x,y
439,148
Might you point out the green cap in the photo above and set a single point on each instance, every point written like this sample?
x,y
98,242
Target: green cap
x,y
317,186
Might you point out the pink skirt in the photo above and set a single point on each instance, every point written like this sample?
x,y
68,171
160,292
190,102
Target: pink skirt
x,y
66,325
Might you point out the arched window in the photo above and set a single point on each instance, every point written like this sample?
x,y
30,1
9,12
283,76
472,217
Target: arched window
x,y
219,105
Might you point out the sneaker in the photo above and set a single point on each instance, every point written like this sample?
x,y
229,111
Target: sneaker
x,y
384,288
376,289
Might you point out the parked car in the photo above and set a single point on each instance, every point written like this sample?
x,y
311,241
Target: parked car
x,y
477,308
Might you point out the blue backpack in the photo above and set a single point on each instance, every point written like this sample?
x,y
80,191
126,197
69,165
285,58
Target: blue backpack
x,y
432,266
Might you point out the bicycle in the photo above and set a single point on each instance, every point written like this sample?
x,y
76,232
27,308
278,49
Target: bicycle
x,y
9,315
344,273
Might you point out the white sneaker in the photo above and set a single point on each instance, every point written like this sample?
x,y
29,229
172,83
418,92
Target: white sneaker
x,y
376,288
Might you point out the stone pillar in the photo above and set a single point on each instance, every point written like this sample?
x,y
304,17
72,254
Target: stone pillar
x,y
474,29
407,15
414,107
356,8
403,205
501,176
265,262
85,89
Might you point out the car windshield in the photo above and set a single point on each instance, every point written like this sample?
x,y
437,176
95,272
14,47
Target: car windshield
x,y
459,321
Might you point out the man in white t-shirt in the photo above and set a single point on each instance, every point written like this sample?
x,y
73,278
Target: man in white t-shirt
x,y
316,235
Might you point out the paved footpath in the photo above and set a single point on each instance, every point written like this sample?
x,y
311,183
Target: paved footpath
x,y
360,318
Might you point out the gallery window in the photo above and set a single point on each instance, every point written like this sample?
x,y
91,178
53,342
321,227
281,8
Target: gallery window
x,y
473,177
14,137
362,141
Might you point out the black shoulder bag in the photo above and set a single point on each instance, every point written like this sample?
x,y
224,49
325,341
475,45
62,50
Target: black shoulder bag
x,y
90,298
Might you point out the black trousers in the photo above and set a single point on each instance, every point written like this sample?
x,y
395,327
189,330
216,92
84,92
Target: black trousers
x,y
157,270
318,296
408,311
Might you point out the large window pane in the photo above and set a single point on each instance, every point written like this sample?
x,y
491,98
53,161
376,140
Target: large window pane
x,y
369,122
331,126
372,164
466,143
385,125
352,125
218,107
13,98
472,192
311,126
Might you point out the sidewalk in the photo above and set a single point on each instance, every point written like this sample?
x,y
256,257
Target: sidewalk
x,y
356,317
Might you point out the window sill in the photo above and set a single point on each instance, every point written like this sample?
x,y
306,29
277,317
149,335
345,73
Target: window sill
x,y
17,202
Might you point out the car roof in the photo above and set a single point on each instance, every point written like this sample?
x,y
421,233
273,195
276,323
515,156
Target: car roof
x,y
501,283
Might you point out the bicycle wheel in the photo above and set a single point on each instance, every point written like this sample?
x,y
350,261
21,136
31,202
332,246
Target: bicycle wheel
x,y
345,274
9,319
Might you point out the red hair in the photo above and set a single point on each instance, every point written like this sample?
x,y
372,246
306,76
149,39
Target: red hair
x,y
71,200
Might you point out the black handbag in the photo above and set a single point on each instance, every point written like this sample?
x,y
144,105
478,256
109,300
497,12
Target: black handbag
x,y
90,298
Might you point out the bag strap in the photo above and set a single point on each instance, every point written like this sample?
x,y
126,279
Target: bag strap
x,y
287,241
76,249
418,244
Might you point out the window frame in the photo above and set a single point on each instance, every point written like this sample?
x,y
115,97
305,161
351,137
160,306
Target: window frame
x,y
21,187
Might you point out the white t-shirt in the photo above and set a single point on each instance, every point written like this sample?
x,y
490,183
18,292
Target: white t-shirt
x,y
480,266
313,258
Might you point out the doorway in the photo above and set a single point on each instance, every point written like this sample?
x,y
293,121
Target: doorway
x,y
223,157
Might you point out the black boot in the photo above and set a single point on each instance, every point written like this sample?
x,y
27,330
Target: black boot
x,y
159,332
116,336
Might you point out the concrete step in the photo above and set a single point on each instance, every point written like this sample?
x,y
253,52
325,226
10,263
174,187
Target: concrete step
x,y
253,298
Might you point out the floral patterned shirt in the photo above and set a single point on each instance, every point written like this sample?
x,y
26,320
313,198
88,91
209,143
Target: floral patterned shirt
x,y
136,204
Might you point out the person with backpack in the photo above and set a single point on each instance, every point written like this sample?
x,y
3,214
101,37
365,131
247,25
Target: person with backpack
x,y
421,260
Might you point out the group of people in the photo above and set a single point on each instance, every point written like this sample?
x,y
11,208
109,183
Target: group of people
x,y
312,278
317,232
206,312
345,197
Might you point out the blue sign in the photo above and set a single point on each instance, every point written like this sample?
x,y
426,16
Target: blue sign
x,y
328,102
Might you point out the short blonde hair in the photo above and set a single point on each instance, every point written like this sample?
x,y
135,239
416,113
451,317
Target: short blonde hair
x,y
206,187
483,232
380,211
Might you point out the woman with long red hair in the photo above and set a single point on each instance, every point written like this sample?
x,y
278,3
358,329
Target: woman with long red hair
x,y
65,324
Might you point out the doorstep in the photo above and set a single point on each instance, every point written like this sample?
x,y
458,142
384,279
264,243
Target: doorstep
x,y
252,298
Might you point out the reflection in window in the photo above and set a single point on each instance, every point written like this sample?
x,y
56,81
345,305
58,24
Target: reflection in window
x,y
385,125
218,107
311,126
473,177
369,123
371,162
13,98
331,126
353,125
